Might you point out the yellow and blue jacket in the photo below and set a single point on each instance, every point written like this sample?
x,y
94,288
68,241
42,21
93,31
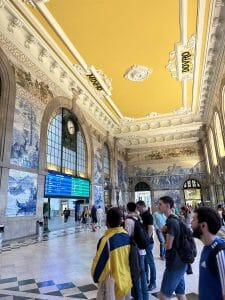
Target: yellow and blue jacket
x,y
117,262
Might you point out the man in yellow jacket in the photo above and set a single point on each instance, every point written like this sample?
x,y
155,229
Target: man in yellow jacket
x,y
112,255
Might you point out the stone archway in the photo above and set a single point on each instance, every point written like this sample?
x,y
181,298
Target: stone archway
x,y
192,192
143,192
7,106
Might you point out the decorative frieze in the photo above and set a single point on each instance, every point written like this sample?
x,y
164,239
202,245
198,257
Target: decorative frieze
x,y
215,46
14,23
43,53
53,66
29,40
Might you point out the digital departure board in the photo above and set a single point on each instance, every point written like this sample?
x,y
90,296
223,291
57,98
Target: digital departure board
x,y
61,185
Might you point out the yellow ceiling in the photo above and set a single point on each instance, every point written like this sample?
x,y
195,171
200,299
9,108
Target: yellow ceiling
x,y
114,35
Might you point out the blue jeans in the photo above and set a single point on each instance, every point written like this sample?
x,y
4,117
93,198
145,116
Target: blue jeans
x,y
150,264
161,239
140,288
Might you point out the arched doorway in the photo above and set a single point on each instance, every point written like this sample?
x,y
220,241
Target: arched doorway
x,y
192,192
143,192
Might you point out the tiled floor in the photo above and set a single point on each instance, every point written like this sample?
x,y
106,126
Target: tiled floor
x,y
57,266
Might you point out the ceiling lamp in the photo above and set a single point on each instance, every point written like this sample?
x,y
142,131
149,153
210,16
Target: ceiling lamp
x,y
137,73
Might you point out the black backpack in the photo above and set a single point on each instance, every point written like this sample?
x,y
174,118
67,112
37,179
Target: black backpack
x,y
185,245
212,261
140,235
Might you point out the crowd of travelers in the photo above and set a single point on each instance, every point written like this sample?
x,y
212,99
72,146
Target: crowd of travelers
x,y
93,216
124,265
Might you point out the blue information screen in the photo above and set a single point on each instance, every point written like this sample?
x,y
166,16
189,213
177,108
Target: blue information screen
x,y
61,185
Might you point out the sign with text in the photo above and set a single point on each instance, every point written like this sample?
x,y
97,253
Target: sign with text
x,y
62,185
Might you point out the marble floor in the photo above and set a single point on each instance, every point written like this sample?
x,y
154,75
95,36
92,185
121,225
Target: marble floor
x,y
57,266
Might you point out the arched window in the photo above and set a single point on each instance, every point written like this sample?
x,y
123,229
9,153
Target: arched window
x,y
207,159
192,192
219,136
106,172
212,148
66,147
142,192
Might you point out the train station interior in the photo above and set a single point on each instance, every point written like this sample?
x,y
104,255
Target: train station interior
x,y
103,102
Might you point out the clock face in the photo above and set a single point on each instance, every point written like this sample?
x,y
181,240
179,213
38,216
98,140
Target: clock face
x,y
70,127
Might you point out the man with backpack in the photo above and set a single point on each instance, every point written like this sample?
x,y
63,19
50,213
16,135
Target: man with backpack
x,y
173,277
132,226
147,219
206,223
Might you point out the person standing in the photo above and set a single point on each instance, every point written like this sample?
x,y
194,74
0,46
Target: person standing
x,y
220,212
99,216
159,220
93,217
185,215
173,276
140,288
149,258
205,224
66,214
84,217
112,256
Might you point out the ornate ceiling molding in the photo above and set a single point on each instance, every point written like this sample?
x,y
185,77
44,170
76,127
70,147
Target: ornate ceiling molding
x,y
181,60
137,73
26,47
213,58
162,140
34,2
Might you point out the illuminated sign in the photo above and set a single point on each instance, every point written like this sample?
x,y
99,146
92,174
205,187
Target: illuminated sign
x,y
61,185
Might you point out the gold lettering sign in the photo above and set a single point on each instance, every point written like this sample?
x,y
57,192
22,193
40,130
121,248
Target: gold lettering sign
x,y
186,62
94,82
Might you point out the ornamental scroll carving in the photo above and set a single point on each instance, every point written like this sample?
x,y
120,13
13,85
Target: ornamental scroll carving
x,y
137,73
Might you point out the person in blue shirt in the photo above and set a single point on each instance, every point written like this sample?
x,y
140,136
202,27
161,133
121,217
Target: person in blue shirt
x,y
205,224
159,220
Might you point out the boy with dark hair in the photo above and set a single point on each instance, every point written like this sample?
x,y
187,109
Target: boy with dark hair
x,y
173,277
206,223
112,256
147,219
140,288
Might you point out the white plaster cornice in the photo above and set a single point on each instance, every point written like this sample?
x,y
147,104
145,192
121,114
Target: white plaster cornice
x,y
29,45
215,46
